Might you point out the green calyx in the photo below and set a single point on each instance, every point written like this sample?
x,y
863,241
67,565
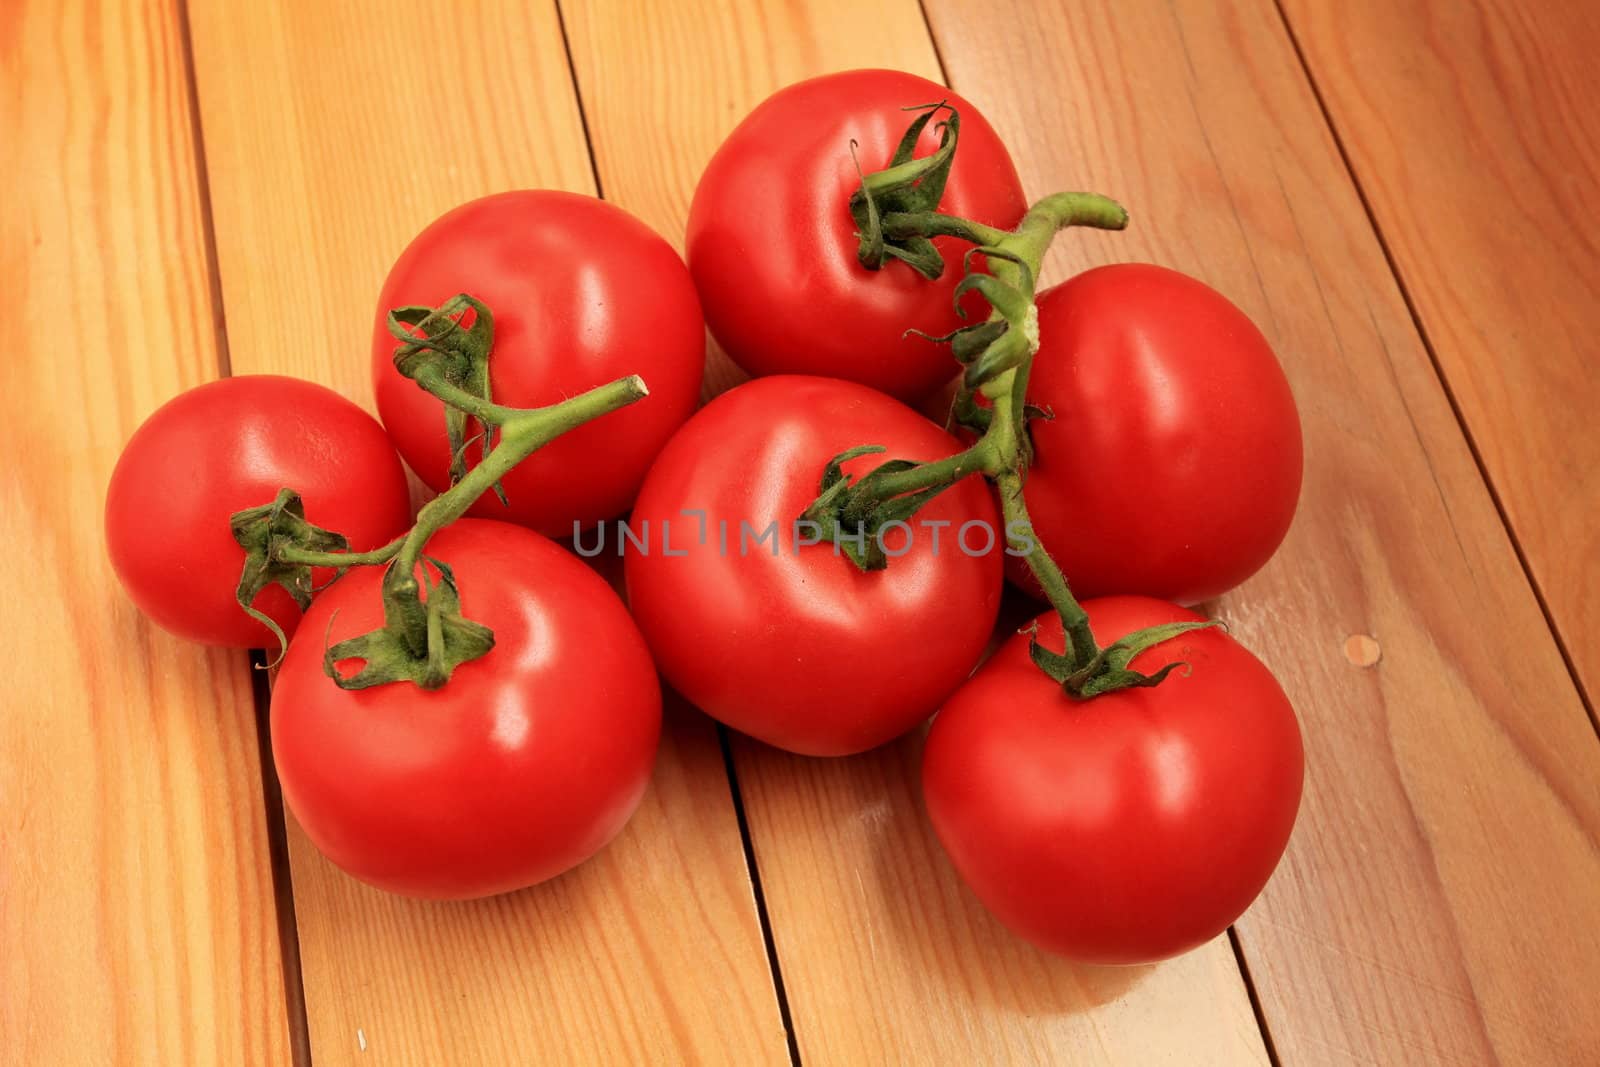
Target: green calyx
x,y
450,345
266,534
423,640
1107,671
909,186
856,515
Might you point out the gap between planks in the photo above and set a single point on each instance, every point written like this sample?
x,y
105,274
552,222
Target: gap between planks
x,y
752,869
256,664
273,806
1393,266
1233,936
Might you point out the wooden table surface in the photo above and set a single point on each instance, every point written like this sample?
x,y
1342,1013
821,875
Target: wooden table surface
x,y
1404,195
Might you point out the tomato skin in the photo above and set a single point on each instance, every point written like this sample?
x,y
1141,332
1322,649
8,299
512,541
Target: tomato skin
x,y
230,445
1130,827
772,246
527,762
1172,466
582,293
801,649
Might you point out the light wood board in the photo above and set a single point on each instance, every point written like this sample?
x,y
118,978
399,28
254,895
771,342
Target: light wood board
x,y
136,895
1447,839
1438,902
884,956
1474,133
386,116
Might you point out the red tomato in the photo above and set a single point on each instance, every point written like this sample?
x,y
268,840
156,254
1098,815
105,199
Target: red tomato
x,y
772,245
582,294
1172,466
1129,827
797,647
226,446
526,763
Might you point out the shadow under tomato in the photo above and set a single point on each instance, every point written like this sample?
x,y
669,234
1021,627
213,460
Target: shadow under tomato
x,y
974,956
854,878
519,952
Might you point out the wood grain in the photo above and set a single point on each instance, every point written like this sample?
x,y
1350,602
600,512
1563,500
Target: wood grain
x,y
1438,903
136,897
335,132
1473,132
888,958
382,116
885,957
648,953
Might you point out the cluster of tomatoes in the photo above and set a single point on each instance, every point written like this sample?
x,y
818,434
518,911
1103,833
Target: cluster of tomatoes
x,y
1161,469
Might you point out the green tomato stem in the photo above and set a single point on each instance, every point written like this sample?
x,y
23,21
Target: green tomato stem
x,y
1020,536
1008,393
934,224
424,636
522,432
432,379
341,560
978,459
1000,372
411,620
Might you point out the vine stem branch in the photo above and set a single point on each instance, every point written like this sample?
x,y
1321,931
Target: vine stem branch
x,y
522,432
1013,260
341,560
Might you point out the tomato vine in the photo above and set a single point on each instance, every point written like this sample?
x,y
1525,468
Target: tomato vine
x,y
445,351
896,212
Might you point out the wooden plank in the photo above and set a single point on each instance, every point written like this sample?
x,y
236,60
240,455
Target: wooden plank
x,y
384,115
884,956
1451,811
1472,131
136,897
